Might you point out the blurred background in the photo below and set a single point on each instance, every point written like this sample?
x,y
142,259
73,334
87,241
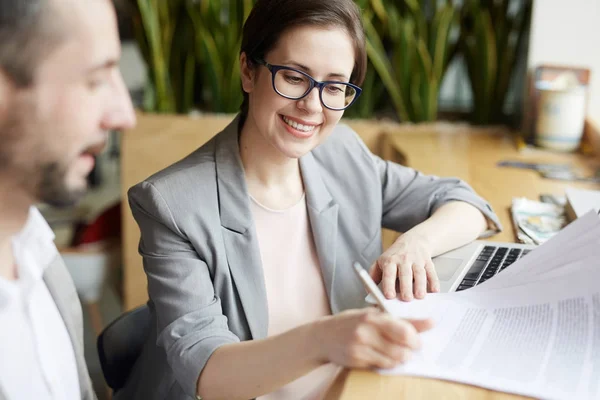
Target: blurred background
x,y
475,63
452,59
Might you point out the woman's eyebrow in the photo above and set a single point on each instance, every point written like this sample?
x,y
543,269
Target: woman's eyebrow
x,y
310,72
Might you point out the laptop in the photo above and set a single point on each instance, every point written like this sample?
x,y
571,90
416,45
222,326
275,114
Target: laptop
x,y
475,263
472,264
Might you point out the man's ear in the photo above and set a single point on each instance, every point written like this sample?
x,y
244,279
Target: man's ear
x,y
247,72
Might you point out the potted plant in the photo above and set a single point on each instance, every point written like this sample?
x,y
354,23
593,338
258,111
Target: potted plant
x,y
191,49
410,44
492,37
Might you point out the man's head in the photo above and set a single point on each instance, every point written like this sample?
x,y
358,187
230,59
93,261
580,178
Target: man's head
x,y
60,93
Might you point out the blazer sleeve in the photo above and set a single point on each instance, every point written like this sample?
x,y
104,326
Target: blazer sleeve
x,y
190,321
410,197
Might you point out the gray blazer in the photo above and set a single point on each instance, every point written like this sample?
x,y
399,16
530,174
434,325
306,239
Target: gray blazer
x,y
201,252
62,289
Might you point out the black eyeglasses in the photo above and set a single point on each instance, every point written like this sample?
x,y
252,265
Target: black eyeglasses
x,y
294,84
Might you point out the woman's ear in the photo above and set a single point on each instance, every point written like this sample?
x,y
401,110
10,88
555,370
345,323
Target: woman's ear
x,y
247,73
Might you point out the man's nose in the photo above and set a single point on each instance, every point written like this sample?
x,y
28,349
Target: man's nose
x,y
121,115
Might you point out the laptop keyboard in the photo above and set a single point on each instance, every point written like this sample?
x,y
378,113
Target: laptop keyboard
x,y
490,261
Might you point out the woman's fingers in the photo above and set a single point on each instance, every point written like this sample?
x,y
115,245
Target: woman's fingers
x,y
402,332
386,341
432,277
425,279
420,281
414,279
375,272
389,275
405,280
369,357
420,325
398,338
370,338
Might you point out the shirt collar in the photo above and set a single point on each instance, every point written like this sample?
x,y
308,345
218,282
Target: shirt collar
x,y
34,250
35,226
34,245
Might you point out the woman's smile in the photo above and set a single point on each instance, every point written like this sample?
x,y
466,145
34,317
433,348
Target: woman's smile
x,y
299,128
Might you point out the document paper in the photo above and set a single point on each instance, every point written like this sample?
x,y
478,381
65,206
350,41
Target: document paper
x,y
533,331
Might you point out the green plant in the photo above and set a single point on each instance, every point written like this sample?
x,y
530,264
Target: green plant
x,y
410,45
491,39
191,48
159,27
218,26
370,99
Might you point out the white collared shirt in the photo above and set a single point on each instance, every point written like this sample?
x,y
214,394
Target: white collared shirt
x,y
37,360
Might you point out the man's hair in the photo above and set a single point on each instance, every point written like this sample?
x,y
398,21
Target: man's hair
x,y
27,35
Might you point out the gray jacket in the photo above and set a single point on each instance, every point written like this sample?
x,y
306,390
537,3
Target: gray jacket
x,y
201,252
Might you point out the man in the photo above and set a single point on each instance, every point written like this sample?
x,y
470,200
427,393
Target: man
x,y
60,92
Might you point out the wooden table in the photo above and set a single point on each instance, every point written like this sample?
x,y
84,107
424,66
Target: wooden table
x,y
472,156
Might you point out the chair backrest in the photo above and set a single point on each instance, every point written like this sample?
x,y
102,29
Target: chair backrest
x,y
120,344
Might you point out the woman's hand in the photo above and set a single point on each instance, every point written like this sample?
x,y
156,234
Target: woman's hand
x,y
368,338
409,261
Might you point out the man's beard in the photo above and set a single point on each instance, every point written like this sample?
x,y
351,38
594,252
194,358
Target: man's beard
x,y
42,180
52,188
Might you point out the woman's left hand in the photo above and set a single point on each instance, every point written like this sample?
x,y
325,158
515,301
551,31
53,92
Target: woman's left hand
x,y
409,261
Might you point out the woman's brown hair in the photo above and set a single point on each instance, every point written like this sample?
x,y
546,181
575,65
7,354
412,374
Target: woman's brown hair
x,y
269,19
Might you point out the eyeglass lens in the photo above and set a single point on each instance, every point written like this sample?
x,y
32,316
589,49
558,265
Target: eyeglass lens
x,y
294,85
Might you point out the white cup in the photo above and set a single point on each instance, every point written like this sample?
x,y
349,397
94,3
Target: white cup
x,y
561,117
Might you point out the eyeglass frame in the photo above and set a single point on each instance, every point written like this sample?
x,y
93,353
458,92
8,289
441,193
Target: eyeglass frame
x,y
313,83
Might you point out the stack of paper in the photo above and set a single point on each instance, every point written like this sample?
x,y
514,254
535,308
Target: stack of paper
x,y
580,201
533,329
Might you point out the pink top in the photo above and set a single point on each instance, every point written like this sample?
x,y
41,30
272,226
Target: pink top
x,y
295,290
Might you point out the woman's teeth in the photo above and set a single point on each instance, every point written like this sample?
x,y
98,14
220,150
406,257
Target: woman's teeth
x,y
300,127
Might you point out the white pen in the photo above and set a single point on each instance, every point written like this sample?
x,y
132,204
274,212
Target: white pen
x,y
371,287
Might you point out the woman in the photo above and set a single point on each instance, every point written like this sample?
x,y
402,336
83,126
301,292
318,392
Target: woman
x,y
248,243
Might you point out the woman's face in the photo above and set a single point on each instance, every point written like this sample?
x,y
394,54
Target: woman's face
x,y
324,54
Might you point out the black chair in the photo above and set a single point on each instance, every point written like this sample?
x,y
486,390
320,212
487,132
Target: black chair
x,y
120,344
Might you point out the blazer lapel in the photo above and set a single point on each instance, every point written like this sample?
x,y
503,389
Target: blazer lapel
x,y
61,288
323,216
239,233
